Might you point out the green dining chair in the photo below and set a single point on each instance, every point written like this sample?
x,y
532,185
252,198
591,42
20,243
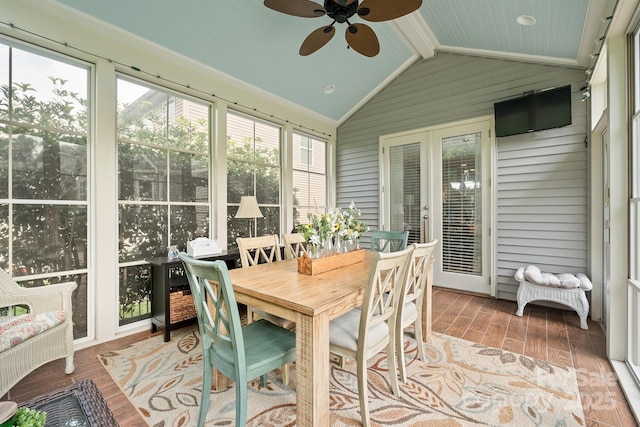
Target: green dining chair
x,y
389,241
241,353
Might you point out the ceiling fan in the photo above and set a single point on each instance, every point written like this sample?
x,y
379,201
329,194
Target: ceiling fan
x,y
360,37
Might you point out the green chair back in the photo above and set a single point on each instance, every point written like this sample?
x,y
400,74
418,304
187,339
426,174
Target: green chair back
x,y
241,353
389,241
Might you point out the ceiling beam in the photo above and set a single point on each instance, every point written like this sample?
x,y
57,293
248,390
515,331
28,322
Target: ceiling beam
x,y
416,34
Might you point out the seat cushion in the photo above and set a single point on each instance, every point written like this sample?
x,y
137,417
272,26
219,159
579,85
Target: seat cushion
x,y
343,331
533,275
17,329
409,311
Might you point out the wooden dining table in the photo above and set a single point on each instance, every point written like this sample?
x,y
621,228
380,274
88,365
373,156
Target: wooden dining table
x,y
311,301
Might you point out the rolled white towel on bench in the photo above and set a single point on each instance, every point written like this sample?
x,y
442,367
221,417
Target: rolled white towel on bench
x,y
585,283
533,274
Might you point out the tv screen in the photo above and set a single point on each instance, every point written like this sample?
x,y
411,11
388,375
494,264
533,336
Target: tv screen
x,y
553,108
512,116
538,111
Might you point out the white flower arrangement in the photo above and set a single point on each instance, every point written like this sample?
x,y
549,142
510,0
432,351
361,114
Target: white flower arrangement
x,y
344,225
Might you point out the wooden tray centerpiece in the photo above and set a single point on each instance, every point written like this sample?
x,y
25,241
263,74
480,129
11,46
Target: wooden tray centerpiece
x,y
343,225
311,266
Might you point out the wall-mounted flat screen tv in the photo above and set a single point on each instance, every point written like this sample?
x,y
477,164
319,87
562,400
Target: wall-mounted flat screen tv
x,y
534,112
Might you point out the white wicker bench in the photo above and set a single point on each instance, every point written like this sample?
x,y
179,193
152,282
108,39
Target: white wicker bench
x,y
572,294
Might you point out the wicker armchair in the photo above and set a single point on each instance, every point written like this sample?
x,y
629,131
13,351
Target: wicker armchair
x,y
55,343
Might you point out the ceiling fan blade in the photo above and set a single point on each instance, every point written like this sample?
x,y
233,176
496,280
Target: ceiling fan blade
x,y
317,39
362,39
385,10
302,8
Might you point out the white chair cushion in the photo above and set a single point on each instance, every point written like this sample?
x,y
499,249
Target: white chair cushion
x,y
410,311
343,331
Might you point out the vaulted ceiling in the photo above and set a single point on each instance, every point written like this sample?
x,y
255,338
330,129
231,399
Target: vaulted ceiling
x,y
259,46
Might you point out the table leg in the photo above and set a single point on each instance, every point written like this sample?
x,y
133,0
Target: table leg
x,y
312,370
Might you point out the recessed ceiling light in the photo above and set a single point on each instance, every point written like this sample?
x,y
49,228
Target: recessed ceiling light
x,y
329,89
526,20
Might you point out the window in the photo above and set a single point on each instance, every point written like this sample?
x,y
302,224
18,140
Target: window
x,y
253,169
44,172
461,204
163,183
309,177
306,151
633,344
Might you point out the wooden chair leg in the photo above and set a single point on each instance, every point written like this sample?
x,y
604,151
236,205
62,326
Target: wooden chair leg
x,y
393,370
363,393
285,374
419,339
241,404
206,393
399,344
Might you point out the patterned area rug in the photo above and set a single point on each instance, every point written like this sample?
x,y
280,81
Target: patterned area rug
x,y
464,384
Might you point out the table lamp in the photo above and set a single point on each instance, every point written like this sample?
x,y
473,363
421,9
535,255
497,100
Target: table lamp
x,y
249,209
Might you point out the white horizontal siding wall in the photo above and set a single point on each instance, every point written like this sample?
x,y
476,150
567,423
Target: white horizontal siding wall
x,y
542,197
545,171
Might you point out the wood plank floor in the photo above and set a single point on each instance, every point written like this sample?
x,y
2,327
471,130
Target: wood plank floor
x,y
544,333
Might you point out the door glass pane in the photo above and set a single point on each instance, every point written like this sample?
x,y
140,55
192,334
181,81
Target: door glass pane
x,y
404,191
461,205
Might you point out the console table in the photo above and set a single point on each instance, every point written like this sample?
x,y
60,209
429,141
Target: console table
x,y
171,302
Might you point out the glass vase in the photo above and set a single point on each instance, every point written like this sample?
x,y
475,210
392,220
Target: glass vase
x,y
338,248
327,247
313,251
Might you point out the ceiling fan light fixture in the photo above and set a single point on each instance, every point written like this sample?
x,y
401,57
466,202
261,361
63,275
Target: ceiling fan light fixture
x,y
526,20
359,37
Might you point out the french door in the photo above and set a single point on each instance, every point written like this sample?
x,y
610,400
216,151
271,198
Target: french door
x,y
606,209
436,186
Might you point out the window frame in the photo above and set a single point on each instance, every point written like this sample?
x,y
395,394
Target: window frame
x,y
166,201
232,206
83,276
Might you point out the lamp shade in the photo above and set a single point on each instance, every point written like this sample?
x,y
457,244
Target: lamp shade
x,y
249,208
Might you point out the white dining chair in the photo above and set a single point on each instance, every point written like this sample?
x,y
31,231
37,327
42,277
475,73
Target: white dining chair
x,y
362,333
293,245
416,287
